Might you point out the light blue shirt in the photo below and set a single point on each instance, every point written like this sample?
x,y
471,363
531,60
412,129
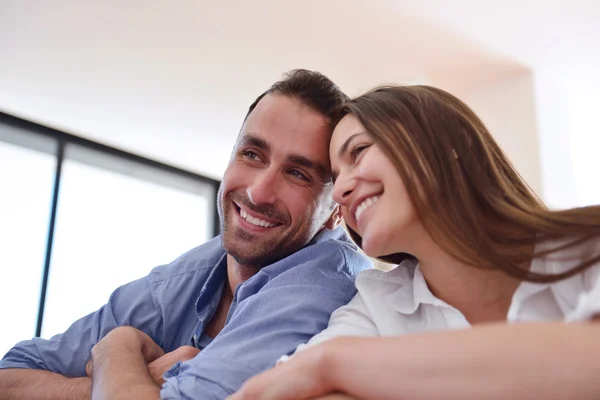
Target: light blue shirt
x,y
280,307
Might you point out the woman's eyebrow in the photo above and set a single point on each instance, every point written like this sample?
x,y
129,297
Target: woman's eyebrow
x,y
346,144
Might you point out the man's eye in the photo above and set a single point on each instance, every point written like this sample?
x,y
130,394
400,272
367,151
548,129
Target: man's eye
x,y
249,154
298,174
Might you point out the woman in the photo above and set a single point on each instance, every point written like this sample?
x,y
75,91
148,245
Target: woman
x,y
422,183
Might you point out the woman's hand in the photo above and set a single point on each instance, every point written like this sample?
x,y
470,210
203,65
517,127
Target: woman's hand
x,y
307,375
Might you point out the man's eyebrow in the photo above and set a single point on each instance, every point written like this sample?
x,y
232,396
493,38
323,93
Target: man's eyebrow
x,y
251,140
306,162
346,144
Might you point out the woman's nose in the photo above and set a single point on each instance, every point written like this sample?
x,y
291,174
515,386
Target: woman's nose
x,y
342,190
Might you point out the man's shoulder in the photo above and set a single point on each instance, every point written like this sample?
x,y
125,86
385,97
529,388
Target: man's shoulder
x,y
337,246
331,253
201,259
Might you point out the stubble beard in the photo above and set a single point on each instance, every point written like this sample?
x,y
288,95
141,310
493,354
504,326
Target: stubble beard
x,y
248,249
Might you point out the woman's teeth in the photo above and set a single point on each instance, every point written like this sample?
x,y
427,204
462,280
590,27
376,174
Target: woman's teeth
x,y
364,205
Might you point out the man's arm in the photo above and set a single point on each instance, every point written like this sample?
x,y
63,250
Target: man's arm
x,y
265,324
34,384
55,363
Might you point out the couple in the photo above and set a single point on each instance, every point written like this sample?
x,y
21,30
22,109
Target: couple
x,y
419,182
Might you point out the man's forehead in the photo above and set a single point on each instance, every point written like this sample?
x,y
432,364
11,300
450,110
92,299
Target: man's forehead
x,y
283,111
279,118
275,144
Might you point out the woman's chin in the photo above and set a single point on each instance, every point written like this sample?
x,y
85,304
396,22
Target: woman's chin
x,y
378,244
371,247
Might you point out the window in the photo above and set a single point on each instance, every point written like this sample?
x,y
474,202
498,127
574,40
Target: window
x,y
116,220
27,174
78,219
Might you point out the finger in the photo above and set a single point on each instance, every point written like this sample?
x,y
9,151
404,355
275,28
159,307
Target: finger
x,y
89,367
156,369
185,353
152,351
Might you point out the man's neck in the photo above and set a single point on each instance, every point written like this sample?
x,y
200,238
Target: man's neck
x,y
238,273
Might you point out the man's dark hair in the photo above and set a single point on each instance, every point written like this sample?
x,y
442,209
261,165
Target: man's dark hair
x,y
310,88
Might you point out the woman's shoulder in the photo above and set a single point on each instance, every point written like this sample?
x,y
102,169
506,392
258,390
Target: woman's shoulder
x,y
558,256
579,295
402,274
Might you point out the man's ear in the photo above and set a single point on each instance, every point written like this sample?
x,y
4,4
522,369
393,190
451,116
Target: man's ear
x,y
335,219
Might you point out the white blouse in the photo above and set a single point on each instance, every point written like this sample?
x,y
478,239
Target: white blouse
x,y
399,301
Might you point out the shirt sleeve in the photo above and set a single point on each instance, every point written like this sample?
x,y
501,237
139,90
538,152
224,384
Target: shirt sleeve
x,y
288,310
69,352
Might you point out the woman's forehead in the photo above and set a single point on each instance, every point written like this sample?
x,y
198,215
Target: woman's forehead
x,y
348,128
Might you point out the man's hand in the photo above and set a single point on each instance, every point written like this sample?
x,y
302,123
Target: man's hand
x,y
128,339
158,367
120,366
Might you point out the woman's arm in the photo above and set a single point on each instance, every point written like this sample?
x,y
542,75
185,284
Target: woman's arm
x,y
549,361
499,361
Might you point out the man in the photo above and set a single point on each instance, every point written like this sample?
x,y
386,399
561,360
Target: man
x,y
228,309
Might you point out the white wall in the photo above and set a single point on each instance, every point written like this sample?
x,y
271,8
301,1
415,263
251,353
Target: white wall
x,y
546,121
569,128
558,179
507,107
584,131
173,83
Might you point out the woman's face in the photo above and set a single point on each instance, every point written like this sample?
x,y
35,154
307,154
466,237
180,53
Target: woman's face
x,y
369,189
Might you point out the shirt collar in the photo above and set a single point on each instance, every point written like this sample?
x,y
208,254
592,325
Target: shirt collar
x,y
408,297
210,294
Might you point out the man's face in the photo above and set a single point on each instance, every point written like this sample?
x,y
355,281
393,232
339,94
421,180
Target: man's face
x,y
275,194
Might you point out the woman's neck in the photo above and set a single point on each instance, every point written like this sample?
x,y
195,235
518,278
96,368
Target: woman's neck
x,y
481,295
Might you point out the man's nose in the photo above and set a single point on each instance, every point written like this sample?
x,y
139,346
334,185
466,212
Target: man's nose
x,y
263,189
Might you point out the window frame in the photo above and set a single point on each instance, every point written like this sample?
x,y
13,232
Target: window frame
x,y
64,143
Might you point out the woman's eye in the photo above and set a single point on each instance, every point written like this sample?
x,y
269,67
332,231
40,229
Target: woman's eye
x,y
357,150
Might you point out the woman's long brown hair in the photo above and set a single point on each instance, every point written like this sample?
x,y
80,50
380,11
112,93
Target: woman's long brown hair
x,y
466,193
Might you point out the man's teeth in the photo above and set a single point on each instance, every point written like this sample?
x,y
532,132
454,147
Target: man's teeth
x,y
364,205
255,221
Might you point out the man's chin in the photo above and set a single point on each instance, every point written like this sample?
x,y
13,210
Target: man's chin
x,y
242,246
253,259
252,255
254,239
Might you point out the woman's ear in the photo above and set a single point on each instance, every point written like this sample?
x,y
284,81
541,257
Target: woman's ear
x,y
335,219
